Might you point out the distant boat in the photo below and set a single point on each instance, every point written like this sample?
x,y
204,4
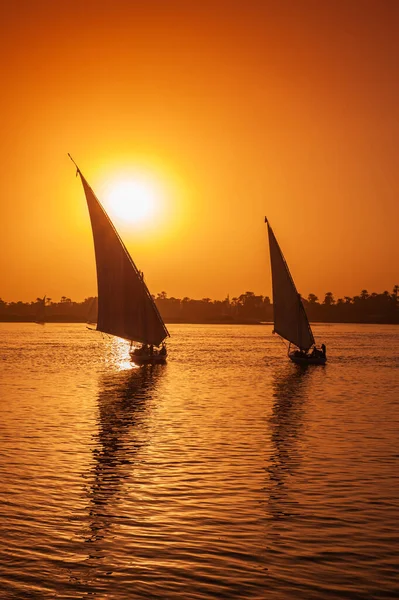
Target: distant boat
x,y
41,311
126,308
290,319
92,312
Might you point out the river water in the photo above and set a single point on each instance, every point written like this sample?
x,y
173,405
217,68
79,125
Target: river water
x,y
226,473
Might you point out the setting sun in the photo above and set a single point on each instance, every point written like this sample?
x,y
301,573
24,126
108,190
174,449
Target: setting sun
x,y
133,200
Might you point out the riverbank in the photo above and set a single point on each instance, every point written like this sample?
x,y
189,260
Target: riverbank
x,y
68,319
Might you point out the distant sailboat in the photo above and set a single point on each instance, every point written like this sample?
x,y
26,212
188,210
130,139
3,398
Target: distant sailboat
x,y
92,312
290,319
41,311
126,308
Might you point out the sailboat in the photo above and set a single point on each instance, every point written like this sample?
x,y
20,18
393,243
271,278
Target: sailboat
x,y
92,312
290,318
126,308
40,311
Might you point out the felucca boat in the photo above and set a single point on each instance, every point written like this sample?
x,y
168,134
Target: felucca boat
x,y
290,319
126,308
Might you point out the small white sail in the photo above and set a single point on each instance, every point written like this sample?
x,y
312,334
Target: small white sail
x,y
290,319
92,312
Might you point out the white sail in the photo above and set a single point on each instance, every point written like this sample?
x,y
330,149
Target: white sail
x,y
290,319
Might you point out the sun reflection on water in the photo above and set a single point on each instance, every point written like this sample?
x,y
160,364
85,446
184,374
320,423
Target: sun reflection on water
x,y
119,356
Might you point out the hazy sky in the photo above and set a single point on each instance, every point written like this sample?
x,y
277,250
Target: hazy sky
x,y
233,110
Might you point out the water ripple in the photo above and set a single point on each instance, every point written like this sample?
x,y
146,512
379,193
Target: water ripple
x,y
223,474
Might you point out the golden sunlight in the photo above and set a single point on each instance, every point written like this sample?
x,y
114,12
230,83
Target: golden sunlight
x,y
132,200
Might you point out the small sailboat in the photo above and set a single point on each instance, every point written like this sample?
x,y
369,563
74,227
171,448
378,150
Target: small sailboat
x,y
92,312
290,319
41,311
126,308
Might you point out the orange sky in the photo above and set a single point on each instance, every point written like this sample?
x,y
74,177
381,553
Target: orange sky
x,y
236,108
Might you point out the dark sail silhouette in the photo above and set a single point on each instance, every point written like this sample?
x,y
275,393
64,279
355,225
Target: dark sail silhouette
x,y
290,319
126,308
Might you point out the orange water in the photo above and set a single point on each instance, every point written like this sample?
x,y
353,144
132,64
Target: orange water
x,y
227,473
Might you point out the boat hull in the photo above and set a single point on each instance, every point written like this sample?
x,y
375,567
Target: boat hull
x,y
156,359
309,360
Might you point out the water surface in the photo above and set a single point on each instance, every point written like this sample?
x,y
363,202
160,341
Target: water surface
x,y
226,473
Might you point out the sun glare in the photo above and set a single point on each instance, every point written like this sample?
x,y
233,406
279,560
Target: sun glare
x,y
133,201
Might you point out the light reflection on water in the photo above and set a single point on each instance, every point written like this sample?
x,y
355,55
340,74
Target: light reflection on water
x,y
226,473
289,392
123,402
118,357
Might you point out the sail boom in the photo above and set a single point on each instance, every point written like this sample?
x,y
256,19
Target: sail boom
x,y
137,339
294,343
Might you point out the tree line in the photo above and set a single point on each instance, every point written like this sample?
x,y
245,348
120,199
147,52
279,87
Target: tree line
x,y
246,308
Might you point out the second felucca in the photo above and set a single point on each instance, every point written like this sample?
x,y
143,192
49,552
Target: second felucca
x,y
290,318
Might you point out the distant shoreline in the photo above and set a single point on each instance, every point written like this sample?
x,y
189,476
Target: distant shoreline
x,y
246,309
193,322
18,319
